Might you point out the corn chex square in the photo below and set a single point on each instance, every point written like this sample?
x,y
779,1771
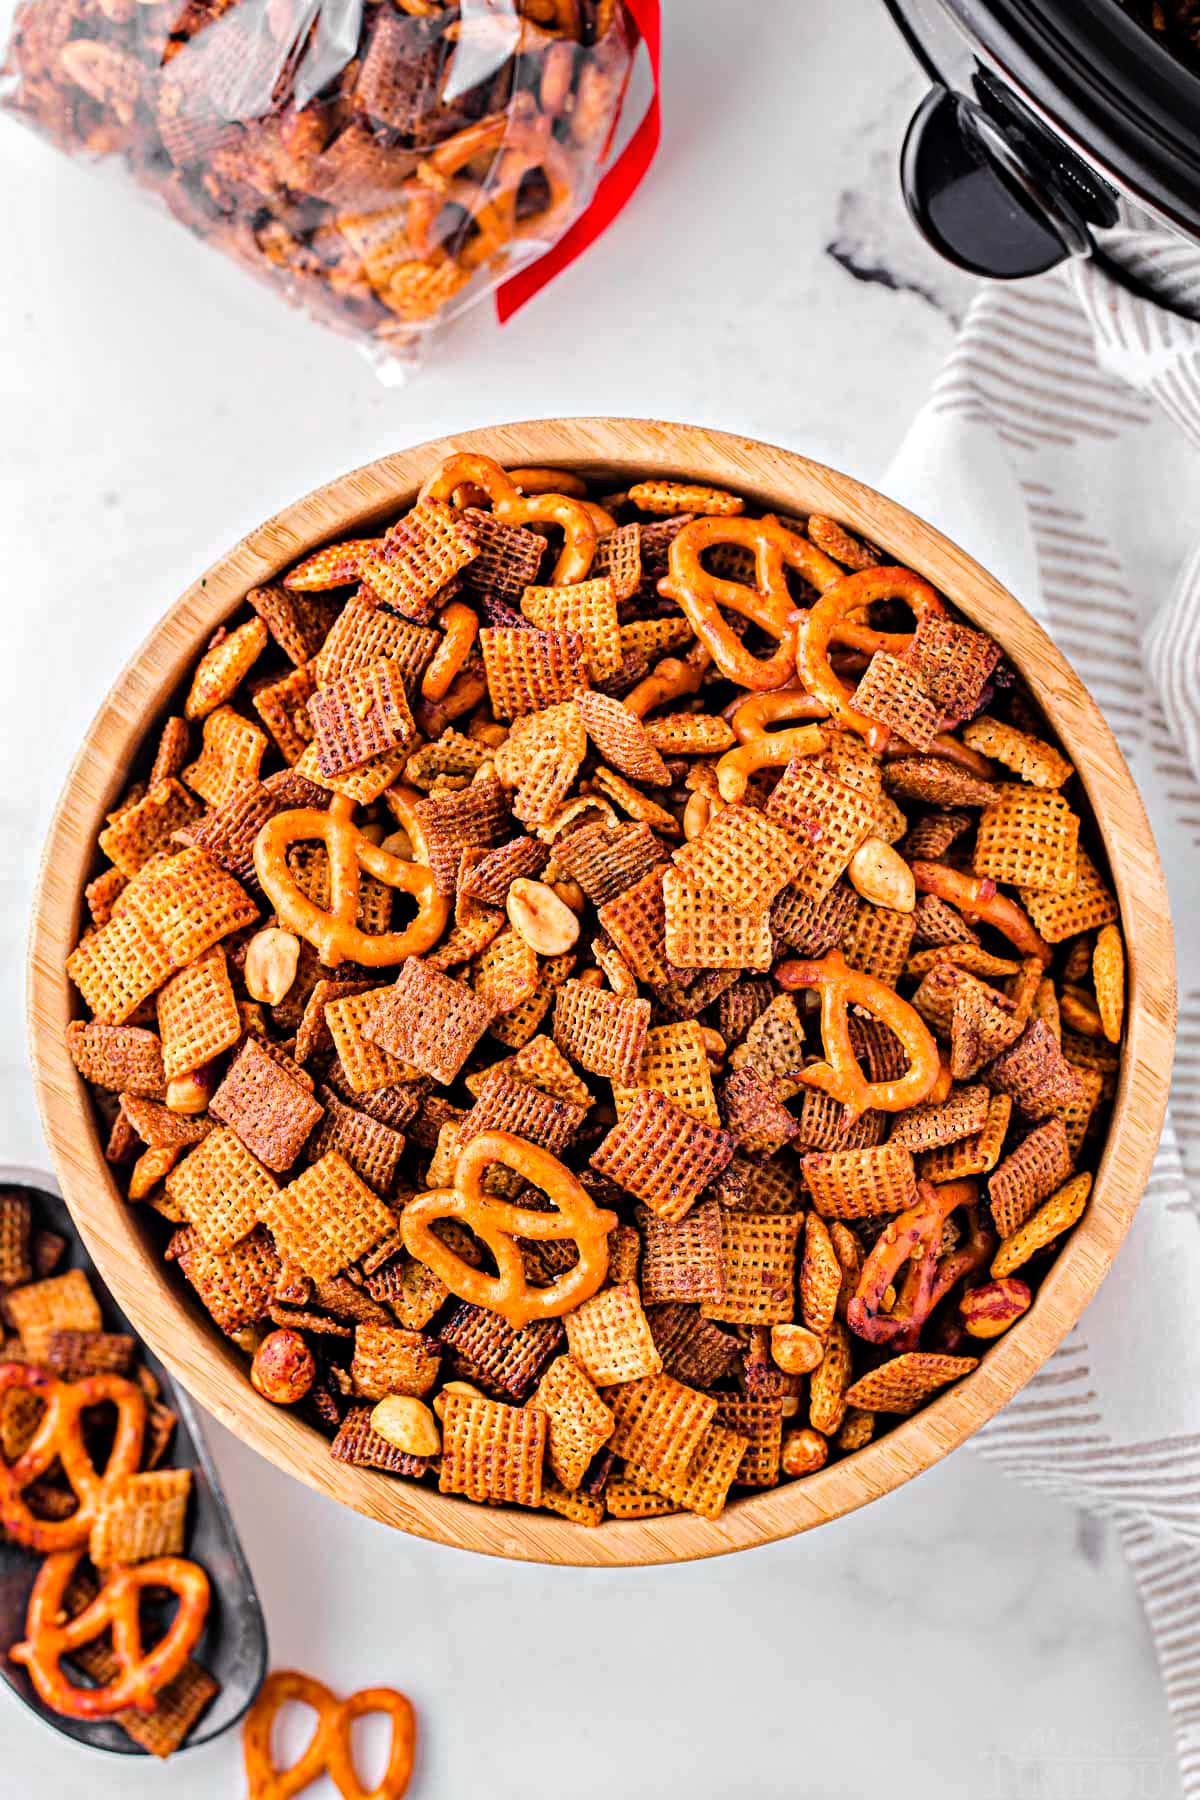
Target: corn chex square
x,y
326,1218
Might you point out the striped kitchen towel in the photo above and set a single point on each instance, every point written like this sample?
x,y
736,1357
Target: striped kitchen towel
x,y
1062,444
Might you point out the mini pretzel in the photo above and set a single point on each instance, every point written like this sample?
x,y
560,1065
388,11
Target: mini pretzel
x,y
672,679
460,628
512,508
840,1076
976,898
752,718
949,749
463,695
768,604
497,1223
774,749
913,1238
49,1636
330,1749
831,621
335,934
517,141
59,1435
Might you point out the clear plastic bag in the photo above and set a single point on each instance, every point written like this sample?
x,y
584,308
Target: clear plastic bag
x,y
383,163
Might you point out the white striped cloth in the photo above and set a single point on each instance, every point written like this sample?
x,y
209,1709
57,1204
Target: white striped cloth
x,y
1045,448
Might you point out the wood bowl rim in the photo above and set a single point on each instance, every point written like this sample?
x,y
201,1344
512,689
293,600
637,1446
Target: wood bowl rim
x,y
214,1373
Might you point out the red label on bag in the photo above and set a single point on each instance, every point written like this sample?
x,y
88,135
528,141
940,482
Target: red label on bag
x,y
615,189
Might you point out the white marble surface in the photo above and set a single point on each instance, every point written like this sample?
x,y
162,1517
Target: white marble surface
x,y
962,1636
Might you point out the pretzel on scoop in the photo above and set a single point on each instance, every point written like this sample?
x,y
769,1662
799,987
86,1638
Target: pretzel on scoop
x,y
335,934
49,1636
840,1075
768,604
513,508
977,900
330,1749
497,1223
832,621
59,1437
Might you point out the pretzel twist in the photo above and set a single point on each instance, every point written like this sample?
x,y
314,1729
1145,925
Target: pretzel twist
x,y
497,1223
977,900
751,718
49,1637
774,749
335,934
913,1237
839,1075
460,628
768,604
672,679
59,1435
831,621
330,1749
517,141
513,508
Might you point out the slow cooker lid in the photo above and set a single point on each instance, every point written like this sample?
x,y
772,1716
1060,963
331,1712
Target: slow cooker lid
x,y
1108,85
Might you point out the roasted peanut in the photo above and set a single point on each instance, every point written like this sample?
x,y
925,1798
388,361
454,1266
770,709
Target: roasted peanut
x,y
538,916
992,1308
407,1424
453,1387
795,1349
881,875
804,1452
192,1092
272,957
283,1369
398,844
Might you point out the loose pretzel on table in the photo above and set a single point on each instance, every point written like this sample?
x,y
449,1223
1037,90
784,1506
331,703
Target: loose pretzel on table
x,y
832,621
839,1075
498,1223
330,1750
768,604
49,1636
335,934
59,1436
514,508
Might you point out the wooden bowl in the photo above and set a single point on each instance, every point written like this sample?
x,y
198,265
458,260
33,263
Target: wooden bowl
x,y
175,1326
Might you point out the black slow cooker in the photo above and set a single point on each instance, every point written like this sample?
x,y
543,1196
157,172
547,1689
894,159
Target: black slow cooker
x,y
1042,114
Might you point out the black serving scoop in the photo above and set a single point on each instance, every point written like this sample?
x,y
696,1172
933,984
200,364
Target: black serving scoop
x,y
233,1647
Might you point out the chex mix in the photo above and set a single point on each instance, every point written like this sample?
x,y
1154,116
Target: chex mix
x,y
382,173
86,1481
609,1000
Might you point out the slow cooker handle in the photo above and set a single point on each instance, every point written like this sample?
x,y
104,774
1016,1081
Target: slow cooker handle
x,y
979,199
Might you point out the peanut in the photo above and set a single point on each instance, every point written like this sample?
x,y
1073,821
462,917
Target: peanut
x,y
283,1369
538,916
795,1349
398,844
453,1387
804,1452
373,832
881,875
192,1092
407,1424
992,1308
272,957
